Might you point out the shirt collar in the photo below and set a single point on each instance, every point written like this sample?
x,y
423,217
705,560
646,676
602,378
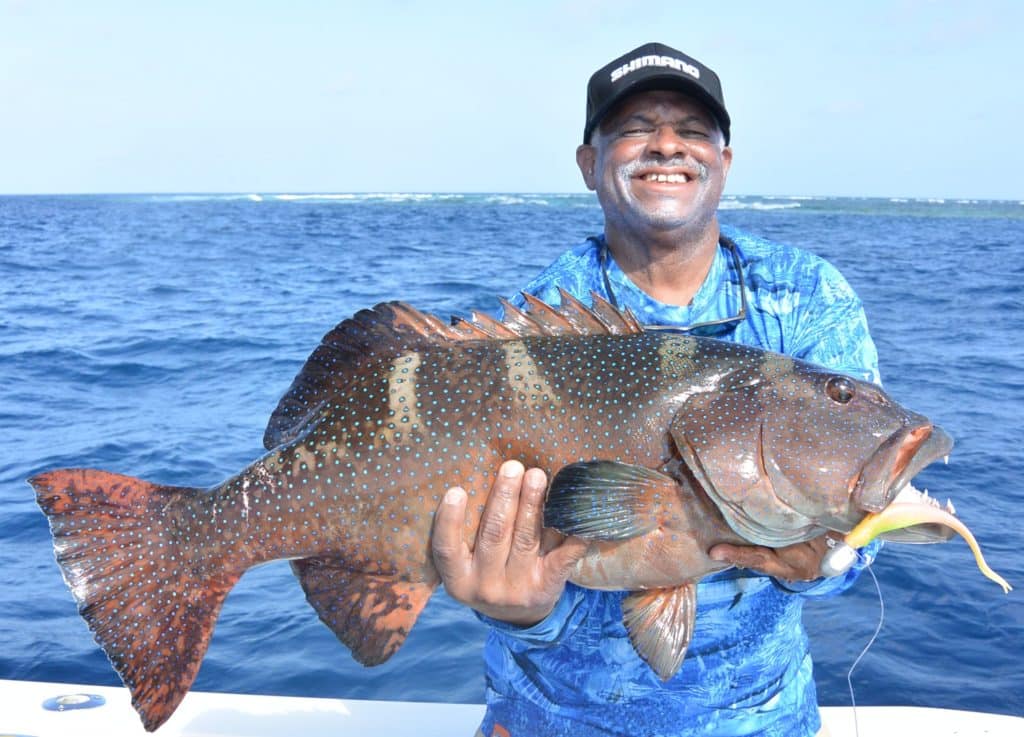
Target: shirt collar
x,y
716,298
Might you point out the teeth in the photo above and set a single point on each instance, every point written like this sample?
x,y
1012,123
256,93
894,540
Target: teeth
x,y
908,494
668,178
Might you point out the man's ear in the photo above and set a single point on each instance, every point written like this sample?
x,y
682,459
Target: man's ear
x,y
726,162
586,160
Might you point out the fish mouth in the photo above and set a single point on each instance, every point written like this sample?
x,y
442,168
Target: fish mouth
x,y
886,479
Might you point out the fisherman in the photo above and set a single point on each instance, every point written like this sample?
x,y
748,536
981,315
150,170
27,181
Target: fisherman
x,y
558,659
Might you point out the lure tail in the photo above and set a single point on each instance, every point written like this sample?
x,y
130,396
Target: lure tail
x,y
900,515
150,599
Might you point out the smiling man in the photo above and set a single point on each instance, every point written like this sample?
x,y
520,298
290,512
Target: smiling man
x,y
559,661
658,162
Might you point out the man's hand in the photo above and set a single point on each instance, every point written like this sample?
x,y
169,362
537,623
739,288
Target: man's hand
x,y
515,571
799,562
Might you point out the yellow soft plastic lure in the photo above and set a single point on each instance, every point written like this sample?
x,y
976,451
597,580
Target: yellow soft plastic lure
x,y
899,515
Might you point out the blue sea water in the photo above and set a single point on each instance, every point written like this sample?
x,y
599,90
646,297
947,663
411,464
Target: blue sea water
x,y
153,335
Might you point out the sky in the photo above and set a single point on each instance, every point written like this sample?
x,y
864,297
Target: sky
x,y
885,99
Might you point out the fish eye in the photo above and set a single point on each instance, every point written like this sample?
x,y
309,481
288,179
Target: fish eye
x,y
839,389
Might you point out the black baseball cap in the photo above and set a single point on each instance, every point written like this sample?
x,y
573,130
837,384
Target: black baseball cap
x,y
653,66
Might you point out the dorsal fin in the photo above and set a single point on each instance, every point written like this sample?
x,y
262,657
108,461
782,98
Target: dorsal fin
x,y
392,328
616,321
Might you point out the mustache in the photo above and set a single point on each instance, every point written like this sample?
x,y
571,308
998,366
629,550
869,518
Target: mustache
x,y
696,169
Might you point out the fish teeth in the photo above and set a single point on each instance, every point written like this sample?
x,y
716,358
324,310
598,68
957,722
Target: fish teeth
x,y
908,494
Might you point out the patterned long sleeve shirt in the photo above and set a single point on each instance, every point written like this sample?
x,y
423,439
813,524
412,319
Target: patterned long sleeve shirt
x,y
748,667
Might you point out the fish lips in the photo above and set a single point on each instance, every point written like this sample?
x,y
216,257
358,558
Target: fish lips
x,y
890,469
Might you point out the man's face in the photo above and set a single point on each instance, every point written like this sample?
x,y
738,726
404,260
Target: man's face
x,y
657,162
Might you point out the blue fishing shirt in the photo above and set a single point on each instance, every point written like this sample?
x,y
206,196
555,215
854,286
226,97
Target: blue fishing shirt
x,y
748,667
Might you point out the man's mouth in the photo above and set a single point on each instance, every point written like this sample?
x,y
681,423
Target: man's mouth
x,y
666,178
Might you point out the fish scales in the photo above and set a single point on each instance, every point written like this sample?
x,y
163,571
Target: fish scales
x,y
658,445
363,481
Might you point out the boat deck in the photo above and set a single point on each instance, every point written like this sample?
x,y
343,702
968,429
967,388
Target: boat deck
x,y
204,714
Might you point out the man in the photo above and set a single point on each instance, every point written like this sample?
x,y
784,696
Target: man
x,y
559,662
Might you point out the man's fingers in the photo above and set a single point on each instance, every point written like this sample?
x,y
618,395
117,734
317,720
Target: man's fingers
x,y
451,554
742,556
493,537
515,571
799,562
802,562
526,537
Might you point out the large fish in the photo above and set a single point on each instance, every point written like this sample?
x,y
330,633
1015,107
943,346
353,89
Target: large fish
x,y
660,446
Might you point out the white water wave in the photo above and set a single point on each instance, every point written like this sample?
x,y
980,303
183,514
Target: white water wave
x,y
204,197
514,199
757,205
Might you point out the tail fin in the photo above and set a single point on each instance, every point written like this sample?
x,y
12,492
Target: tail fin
x,y
151,602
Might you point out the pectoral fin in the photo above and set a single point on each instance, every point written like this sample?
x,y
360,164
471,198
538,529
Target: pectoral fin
x,y
606,500
660,625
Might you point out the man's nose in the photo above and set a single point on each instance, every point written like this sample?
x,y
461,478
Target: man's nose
x,y
666,142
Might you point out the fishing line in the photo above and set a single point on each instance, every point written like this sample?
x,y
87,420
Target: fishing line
x,y
871,641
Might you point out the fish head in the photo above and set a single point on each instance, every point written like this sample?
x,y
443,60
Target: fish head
x,y
787,450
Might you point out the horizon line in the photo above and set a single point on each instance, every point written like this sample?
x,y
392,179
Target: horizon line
x,y
456,193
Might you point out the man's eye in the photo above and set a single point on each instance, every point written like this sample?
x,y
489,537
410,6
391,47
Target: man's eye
x,y
636,131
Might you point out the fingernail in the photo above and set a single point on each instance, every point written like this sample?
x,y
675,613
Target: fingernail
x,y
454,496
511,469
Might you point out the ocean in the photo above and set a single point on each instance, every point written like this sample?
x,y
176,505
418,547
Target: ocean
x,y
153,335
